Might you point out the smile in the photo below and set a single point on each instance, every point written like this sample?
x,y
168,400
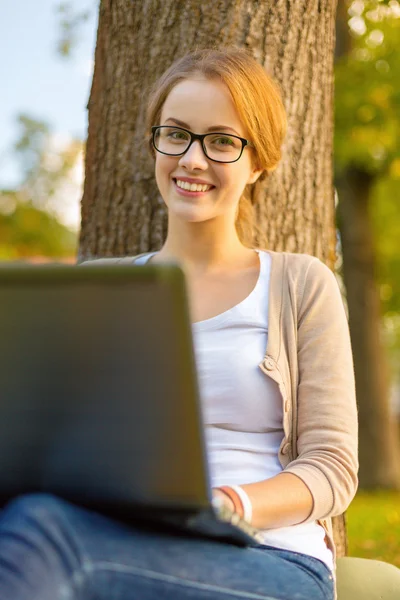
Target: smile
x,y
192,187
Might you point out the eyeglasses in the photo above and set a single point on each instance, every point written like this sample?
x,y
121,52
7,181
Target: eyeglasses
x,y
219,147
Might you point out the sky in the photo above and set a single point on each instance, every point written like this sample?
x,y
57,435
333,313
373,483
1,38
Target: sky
x,y
36,80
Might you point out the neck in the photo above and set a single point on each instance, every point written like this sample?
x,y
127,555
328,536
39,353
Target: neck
x,y
202,249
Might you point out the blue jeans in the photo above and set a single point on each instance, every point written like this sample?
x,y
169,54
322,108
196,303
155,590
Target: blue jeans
x,y
53,550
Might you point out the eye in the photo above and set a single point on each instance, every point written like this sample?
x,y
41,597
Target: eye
x,y
176,135
224,141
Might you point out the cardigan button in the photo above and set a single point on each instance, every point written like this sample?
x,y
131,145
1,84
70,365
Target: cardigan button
x,y
285,448
268,364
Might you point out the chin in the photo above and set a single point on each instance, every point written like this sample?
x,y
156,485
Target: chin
x,y
192,214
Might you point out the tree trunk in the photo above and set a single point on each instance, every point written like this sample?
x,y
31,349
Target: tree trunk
x,y
378,445
122,212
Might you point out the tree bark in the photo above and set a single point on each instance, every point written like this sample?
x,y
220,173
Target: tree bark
x,y
121,209
378,445
122,212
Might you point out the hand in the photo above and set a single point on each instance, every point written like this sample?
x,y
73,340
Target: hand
x,y
226,500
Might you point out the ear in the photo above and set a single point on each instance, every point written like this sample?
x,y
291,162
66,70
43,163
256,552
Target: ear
x,y
255,174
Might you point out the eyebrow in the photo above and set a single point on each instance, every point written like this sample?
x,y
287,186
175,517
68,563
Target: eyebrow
x,y
213,128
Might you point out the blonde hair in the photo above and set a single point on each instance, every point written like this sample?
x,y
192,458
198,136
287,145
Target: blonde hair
x,y
257,99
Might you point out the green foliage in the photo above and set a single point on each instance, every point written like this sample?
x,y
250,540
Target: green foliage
x,y
384,210
367,107
31,215
41,159
31,141
48,164
373,526
367,134
385,218
26,231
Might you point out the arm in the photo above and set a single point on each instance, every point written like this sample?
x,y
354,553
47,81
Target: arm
x,y
327,428
322,480
280,501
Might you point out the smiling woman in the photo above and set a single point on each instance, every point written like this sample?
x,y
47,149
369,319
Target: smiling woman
x,y
211,159
224,93
274,367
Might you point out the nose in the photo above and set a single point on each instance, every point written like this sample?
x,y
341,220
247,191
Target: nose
x,y
194,158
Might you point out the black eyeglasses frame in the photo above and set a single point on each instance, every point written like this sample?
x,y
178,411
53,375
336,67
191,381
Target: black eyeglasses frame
x,y
200,137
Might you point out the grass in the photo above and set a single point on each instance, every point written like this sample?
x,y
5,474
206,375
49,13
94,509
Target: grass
x,y
373,526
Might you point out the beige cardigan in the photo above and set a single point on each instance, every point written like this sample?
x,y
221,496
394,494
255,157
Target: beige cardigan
x,y
309,356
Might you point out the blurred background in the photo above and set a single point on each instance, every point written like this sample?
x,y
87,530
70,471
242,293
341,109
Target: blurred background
x,y
48,48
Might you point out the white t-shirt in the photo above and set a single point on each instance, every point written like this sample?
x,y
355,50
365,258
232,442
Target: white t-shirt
x,y
242,407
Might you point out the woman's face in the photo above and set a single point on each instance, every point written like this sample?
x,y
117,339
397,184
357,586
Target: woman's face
x,y
201,104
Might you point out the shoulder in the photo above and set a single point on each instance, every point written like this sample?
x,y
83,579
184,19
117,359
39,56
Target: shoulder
x,y
295,261
299,280
299,269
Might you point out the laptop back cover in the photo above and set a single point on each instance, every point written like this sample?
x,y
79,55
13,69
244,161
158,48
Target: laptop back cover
x,y
99,399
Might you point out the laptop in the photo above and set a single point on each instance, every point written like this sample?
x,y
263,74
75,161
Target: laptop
x,y
99,400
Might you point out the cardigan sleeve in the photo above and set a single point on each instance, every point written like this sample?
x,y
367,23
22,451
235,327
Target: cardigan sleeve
x,y
327,425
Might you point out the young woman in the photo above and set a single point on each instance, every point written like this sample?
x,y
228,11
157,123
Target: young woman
x,y
275,373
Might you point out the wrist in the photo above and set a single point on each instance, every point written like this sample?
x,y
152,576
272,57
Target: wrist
x,y
239,501
218,493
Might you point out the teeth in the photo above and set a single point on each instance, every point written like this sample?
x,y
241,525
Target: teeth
x,y
192,187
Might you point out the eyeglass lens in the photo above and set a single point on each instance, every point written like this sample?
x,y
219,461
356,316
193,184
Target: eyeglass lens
x,y
219,146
